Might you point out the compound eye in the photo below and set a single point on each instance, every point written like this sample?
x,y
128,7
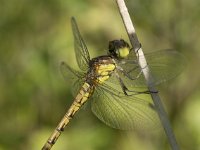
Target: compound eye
x,y
111,46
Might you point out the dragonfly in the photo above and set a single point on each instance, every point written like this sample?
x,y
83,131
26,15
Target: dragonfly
x,y
110,82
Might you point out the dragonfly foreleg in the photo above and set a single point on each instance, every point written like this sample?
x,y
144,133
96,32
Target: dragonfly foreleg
x,y
127,74
127,91
137,51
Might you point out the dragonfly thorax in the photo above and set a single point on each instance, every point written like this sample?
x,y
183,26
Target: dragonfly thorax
x,y
101,68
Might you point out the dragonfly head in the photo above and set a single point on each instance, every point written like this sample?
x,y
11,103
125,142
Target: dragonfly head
x,y
119,48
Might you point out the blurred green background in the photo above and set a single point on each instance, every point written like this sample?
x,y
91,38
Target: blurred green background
x,y
35,36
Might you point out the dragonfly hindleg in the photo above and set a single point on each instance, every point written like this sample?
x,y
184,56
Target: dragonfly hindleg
x,y
133,92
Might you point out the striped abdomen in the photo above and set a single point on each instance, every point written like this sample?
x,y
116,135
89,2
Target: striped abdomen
x,y
83,95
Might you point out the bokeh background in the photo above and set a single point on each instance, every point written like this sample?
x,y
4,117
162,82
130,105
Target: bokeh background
x,y
35,36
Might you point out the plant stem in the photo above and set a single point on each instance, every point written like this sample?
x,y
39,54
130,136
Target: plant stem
x,y
147,73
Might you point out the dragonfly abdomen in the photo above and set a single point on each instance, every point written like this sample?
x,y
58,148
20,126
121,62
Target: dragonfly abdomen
x,y
84,93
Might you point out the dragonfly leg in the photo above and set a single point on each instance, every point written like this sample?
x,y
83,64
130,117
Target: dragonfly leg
x,y
125,89
139,92
127,74
137,48
133,92
136,51
123,86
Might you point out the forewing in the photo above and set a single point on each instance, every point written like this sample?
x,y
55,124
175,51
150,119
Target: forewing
x,y
164,65
81,51
116,110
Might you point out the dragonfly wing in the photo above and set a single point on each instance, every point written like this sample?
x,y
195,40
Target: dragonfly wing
x,y
164,65
81,51
73,77
116,110
131,75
